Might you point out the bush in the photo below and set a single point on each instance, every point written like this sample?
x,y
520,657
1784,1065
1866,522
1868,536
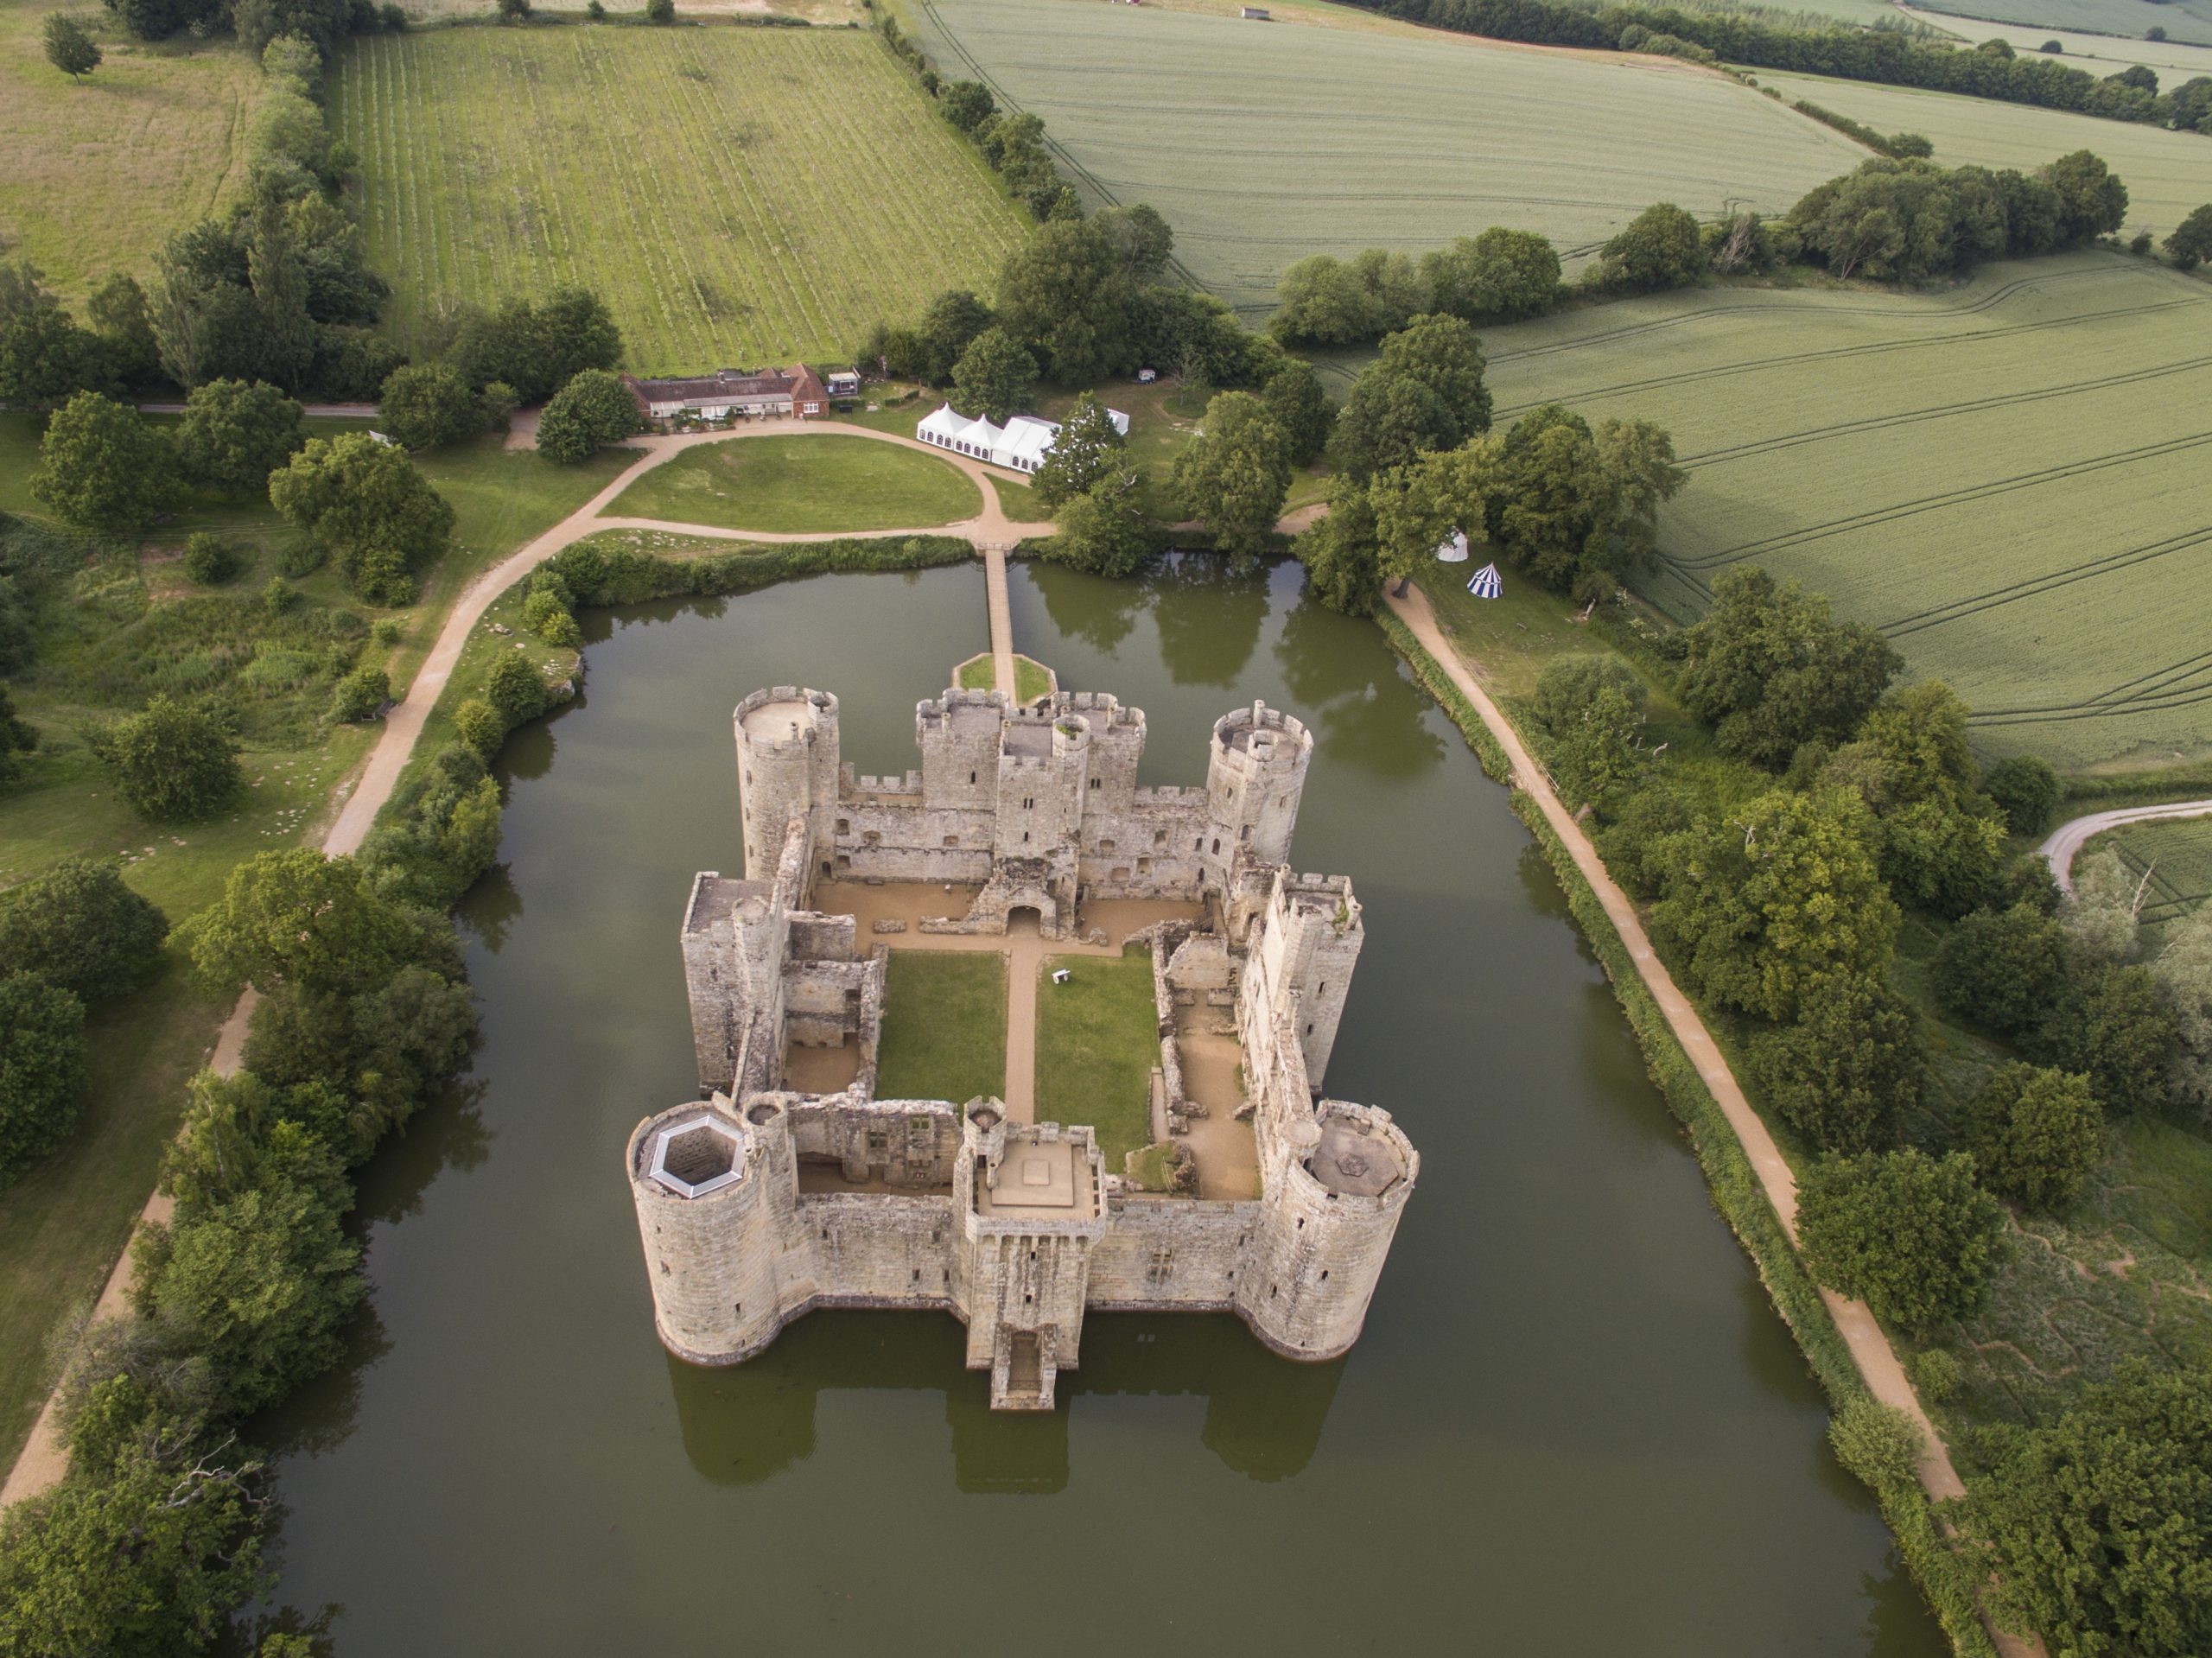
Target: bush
x,y
430,405
2001,968
592,409
209,559
1590,712
1911,1236
660,11
234,434
42,1069
481,727
360,695
1881,1445
1846,1073
2115,1025
174,762
2035,1134
1936,1375
80,928
2026,790
497,402
515,688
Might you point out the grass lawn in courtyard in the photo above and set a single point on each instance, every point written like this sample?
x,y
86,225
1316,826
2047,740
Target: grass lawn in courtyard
x,y
789,486
1098,1042
944,1026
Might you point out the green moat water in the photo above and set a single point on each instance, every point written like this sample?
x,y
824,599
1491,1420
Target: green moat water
x,y
1574,1425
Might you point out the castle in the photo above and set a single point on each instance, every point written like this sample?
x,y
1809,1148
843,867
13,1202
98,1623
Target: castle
x,y
793,1186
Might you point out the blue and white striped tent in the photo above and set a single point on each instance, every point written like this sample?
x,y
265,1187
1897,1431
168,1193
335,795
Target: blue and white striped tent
x,y
1486,583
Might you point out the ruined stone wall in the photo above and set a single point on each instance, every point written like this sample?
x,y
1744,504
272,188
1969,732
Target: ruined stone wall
x,y
1171,1253
822,1002
905,1142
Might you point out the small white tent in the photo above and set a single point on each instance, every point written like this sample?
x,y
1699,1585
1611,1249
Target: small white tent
x,y
1454,549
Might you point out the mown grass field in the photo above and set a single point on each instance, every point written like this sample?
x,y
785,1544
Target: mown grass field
x,y
94,176
1264,142
2167,174
944,1026
1098,1042
2008,479
789,486
2183,20
739,196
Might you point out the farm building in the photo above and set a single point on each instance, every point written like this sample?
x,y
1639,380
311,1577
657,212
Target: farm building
x,y
1022,443
729,391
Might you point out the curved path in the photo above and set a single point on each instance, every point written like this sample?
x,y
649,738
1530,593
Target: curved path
x,y
1870,1350
2068,838
43,1460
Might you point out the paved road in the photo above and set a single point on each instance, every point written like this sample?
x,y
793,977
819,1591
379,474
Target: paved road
x,y
43,1461
2068,838
1870,1348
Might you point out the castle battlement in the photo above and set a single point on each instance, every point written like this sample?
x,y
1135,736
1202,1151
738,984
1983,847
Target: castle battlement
x,y
788,1185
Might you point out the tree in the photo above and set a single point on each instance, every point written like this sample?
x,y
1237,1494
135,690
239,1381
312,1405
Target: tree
x,y
2184,972
79,927
360,695
2035,1134
120,316
1101,531
515,688
102,468
430,405
1087,452
278,279
17,737
152,1558
1063,294
1424,391
1763,904
2001,968
2191,244
1659,248
239,1134
966,104
1847,1072
1300,406
660,11
1234,473
593,410
42,1068
263,1283
364,502
1501,273
1592,711
2112,1024
209,559
948,327
2096,1529
1771,670
69,45
297,918
1339,552
2101,917
996,376
45,356
1911,1236
234,435
174,762
2025,789
2092,201
537,348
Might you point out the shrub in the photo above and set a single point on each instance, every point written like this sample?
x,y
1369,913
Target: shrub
x,y
79,927
497,402
660,11
592,409
2001,968
481,727
1846,1073
360,695
2113,1024
1880,1445
174,763
430,405
234,434
515,688
1936,1375
209,559
2035,1134
42,1069
1911,1236
2025,789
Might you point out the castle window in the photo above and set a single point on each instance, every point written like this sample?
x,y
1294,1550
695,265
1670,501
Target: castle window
x,y
1201,845
1144,866
1301,1223
878,1141
971,777
918,1275
1217,843
1024,838
1094,783
737,1309
1309,1029
844,825
951,840
825,868
1325,1274
1273,1289
1029,803
1323,990
1160,838
1105,846
1245,834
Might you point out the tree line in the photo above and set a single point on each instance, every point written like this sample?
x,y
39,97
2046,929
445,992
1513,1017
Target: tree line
x,y
1890,56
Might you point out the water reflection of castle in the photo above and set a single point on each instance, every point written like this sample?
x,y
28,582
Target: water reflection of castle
x,y
749,1422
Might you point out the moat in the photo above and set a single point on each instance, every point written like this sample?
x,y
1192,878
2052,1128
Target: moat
x,y
1573,1424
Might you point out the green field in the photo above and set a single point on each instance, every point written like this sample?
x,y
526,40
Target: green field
x,y
803,485
2183,20
94,176
1097,1043
2008,479
2101,55
944,1026
1262,144
2177,858
2167,174
739,196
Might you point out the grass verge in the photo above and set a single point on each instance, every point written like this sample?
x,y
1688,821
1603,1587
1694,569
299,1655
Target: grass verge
x,y
944,1026
1097,1041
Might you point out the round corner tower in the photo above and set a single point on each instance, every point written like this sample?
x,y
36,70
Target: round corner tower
x,y
702,1179
1338,1182
787,767
1255,775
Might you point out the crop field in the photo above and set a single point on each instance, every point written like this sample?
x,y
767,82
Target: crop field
x,y
2177,859
1264,142
739,196
2183,20
2167,174
2101,55
2007,480
95,175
